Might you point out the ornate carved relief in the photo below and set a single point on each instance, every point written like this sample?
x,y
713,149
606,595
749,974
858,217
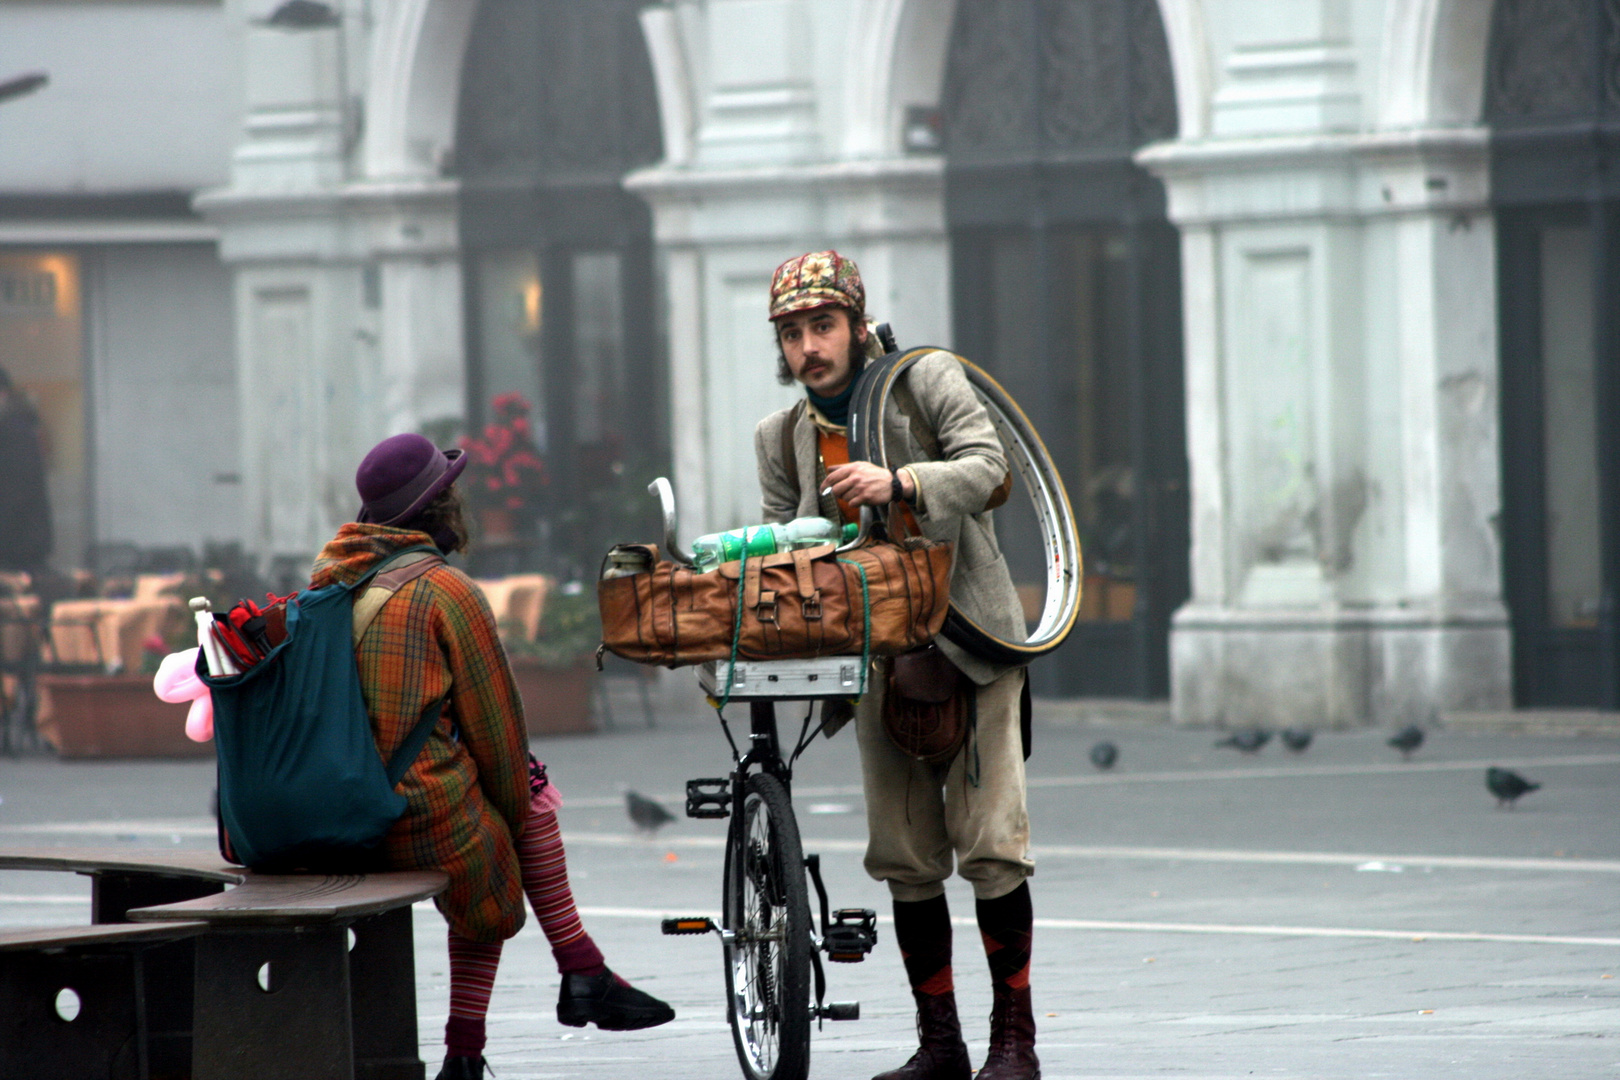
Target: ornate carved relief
x,y
1084,53
557,89
989,80
1050,77
1153,89
1541,60
1611,57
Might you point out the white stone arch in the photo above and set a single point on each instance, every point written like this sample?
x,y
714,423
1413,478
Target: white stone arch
x,y
1190,65
418,47
1433,69
898,51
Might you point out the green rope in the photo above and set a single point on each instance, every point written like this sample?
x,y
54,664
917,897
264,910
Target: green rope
x,y
736,631
866,610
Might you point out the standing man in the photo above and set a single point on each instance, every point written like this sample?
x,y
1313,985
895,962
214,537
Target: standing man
x,y
920,816
25,506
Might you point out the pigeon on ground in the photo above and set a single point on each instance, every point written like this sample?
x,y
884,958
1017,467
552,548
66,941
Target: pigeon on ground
x,y
1104,754
1296,738
646,814
1249,740
1507,785
1406,740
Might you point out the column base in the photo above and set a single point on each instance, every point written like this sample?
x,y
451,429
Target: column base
x,y
1337,668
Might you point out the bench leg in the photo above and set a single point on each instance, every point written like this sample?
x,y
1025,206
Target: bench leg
x,y
112,894
168,983
103,1040
300,1028
382,977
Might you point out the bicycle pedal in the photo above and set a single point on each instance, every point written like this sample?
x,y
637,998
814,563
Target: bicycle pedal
x,y
841,1010
852,935
708,798
698,925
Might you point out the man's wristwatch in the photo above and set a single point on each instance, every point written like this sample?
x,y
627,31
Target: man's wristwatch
x,y
897,490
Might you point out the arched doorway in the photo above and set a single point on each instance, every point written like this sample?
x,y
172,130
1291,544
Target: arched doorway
x,y
1067,284
556,105
1552,98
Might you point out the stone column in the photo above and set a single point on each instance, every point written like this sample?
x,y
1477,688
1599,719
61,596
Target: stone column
x,y
347,287
1341,376
769,153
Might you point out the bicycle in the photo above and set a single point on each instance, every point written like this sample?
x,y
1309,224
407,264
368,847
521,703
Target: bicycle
x,y
771,947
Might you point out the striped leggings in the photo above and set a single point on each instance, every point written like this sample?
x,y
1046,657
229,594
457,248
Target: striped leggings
x,y
545,881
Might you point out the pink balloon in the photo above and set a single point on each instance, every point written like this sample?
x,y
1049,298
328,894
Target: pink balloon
x,y
176,681
200,720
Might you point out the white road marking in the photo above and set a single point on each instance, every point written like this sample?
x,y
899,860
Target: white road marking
x,y
716,841
132,828
1295,771
1122,926
1171,776
44,898
1154,854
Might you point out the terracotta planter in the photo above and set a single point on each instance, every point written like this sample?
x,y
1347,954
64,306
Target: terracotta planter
x,y
113,716
497,524
556,701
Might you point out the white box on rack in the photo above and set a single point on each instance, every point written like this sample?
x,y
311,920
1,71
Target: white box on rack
x,y
823,677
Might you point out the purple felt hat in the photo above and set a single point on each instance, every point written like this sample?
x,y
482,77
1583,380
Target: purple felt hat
x,y
401,475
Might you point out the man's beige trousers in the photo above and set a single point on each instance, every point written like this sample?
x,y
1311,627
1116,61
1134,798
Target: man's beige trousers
x,y
921,816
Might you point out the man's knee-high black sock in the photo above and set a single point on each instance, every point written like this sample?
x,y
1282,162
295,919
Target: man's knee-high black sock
x,y
923,930
1007,924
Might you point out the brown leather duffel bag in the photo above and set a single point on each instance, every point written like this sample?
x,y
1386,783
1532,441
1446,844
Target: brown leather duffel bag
x,y
795,605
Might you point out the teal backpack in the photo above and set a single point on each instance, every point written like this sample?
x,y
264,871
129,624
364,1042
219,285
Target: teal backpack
x,y
301,784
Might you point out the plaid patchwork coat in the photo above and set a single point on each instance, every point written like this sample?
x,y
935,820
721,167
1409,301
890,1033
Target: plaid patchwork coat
x,y
467,794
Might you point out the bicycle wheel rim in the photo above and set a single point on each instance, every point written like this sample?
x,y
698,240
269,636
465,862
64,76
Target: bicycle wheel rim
x,y
768,999
1048,497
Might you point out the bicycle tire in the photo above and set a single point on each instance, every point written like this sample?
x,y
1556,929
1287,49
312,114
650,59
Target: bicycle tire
x,y
1048,497
766,909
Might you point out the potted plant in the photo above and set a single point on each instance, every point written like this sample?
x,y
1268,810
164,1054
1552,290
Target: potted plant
x,y
554,672
115,714
505,478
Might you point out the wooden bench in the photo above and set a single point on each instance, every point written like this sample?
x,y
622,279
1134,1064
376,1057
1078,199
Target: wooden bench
x,y
105,966
122,878
280,992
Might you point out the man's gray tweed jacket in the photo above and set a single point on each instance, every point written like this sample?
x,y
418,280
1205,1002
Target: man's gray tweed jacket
x,y
951,492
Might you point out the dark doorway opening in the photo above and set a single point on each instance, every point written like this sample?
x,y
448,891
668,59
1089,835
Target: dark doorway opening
x,y
1067,286
557,105
1553,102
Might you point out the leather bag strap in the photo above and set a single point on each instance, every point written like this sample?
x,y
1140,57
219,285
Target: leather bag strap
x,y
384,585
790,457
801,570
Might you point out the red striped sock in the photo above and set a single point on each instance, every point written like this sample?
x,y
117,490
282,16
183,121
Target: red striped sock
x,y
472,978
545,879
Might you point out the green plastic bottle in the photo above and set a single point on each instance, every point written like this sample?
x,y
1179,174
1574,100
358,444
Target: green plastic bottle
x,y
708,552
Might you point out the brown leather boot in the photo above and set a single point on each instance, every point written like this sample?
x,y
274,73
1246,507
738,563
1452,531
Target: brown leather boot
x,y
941,1054
1012,1037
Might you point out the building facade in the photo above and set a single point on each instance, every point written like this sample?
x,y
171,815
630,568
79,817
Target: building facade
x,y
115,309
1318,336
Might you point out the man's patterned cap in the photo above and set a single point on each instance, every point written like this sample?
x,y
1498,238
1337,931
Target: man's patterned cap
x,y
817,280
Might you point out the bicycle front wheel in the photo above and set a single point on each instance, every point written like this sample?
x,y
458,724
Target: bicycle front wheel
x,y
766,908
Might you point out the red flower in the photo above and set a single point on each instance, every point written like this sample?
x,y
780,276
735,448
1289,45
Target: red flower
x,y
504,468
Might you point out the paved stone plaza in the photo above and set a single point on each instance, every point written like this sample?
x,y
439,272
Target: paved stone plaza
x,y
1199,914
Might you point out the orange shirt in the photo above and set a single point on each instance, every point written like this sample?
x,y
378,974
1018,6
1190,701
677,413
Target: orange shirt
x,y
834,449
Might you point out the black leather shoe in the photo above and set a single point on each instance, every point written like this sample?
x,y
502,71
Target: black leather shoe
x,y
609,1004
461,1067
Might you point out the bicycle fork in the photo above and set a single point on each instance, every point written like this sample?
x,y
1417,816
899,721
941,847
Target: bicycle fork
x,y
847,936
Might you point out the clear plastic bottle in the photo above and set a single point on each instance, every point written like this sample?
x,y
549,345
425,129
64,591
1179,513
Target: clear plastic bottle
x,y
708,552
